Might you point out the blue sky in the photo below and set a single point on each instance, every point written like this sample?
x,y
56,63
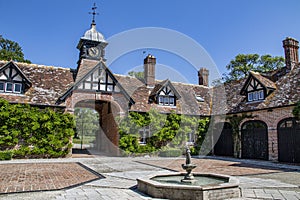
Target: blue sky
x,y
49,31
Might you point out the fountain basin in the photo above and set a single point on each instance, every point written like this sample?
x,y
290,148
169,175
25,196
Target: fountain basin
x,y
168,186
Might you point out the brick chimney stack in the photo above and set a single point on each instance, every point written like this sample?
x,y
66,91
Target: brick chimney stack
x,y
149,70
291,47
203,76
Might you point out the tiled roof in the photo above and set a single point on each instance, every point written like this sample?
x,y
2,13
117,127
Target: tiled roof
x,y
266,82
48,84
158,87
287,92
187,104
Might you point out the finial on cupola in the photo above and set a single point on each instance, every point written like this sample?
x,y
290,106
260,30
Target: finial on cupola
x,y
94,8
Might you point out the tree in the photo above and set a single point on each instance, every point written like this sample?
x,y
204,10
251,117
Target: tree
x,y
243,63
10,50
138,75
87,123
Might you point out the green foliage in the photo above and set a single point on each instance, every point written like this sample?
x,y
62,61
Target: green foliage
x,y
243,63
235,122
296,111
170,152
6,155
170,131
32,132
138,75
87,125
10,50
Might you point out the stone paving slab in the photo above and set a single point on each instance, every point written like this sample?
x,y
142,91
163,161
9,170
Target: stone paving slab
x,y
259,180
42,176
231,168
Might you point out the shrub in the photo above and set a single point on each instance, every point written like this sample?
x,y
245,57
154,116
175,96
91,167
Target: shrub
x,y
194,151
170,152
172,129
6,155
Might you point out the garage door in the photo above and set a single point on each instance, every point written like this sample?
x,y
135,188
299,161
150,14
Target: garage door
x,y
288,140
255,140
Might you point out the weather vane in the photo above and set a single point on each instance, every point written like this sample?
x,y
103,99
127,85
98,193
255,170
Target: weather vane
x,y
94,13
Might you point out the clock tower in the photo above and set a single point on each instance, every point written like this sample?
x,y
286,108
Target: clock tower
x,y
92,44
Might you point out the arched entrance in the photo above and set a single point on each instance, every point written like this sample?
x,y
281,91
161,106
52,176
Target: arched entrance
x,y
255,140
224,143
288,131
106,139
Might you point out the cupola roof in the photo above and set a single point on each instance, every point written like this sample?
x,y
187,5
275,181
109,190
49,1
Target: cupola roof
x,y
93,34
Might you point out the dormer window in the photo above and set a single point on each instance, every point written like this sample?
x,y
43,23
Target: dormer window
x,y
257,87
166,97
164,94
256,96
12,80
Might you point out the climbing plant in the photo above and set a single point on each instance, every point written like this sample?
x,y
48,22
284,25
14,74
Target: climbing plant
x,y
296,111
166,131
235,121
33,132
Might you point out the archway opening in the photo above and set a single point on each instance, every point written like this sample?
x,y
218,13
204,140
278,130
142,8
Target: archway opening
x,y
96,128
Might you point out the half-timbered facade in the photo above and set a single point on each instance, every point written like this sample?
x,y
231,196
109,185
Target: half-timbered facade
x,y
272,133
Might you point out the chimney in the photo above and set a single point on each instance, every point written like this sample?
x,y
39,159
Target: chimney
x,y
149,70
203,76
291,47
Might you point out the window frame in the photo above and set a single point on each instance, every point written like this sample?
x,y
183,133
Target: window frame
x,y
6,86
18,92
257,95
2,83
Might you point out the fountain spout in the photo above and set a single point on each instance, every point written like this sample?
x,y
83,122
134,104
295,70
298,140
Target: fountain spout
x,y
188,167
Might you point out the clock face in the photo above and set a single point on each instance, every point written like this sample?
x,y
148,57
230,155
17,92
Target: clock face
x,y
93,52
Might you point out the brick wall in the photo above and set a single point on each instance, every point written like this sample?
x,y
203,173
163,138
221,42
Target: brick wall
x,y
271,117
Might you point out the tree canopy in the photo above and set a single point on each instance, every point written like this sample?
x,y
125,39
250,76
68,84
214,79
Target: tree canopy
x,y
87,121
138,75
10,50
243,63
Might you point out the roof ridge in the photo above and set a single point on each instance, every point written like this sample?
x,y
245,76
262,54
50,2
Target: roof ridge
x,y
35,65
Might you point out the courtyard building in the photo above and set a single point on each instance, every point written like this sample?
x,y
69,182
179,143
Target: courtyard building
x,y
267,131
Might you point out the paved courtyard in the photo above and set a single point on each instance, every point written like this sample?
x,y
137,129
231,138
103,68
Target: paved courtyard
x,y
258,179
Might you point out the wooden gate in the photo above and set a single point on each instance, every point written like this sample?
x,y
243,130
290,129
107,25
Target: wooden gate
x,y
224,143
255,140
288,131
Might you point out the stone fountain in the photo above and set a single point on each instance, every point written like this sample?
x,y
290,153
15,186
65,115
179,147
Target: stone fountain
x,y
190,186
188,167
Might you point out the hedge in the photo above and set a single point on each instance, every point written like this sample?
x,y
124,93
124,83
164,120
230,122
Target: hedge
x,y
6,155
31,132
170,152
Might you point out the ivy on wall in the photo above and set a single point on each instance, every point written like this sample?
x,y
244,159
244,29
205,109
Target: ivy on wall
x,y
30,132
166,131
296,111
235,121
